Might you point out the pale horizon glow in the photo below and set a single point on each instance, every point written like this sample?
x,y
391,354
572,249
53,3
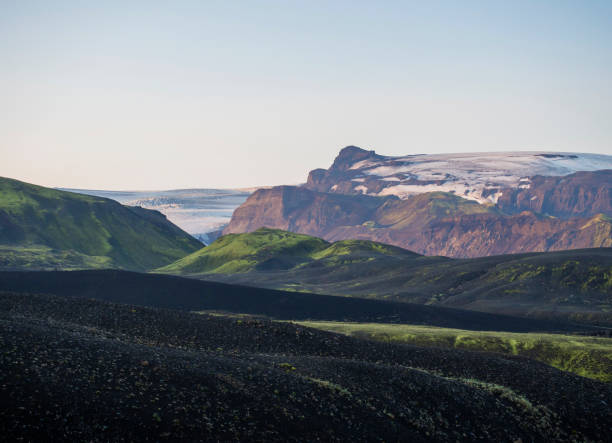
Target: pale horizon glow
x,y
228,94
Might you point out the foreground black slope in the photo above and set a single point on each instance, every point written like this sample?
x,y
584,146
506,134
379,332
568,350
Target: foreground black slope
x,y
77,369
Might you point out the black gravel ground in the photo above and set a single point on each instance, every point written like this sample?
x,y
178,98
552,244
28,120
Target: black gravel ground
x,y
73,369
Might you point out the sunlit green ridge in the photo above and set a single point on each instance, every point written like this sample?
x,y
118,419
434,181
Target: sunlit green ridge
x,y
42,228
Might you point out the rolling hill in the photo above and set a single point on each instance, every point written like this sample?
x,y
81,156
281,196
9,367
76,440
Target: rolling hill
x,y
273,249
575,284
42,228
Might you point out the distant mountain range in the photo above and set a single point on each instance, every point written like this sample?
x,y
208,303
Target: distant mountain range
x,y
572,285
42,228
460,205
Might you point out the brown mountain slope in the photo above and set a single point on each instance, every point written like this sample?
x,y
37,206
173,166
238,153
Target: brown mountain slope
x,y
580,194
300,210
434,223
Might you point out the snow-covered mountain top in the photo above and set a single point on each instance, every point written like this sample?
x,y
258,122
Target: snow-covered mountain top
x,y
490,163
477,176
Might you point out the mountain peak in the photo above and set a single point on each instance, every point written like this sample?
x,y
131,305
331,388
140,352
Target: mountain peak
x,y
351,155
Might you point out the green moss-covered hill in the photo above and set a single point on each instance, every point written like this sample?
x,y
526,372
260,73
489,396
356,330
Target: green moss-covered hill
x,y
574,284
42,228
273,249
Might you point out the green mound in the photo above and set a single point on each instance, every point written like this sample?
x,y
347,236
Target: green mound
x,y
236,253
275,250
42,228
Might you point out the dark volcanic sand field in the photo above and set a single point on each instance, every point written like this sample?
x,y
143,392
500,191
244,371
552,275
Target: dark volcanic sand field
x,y
74,369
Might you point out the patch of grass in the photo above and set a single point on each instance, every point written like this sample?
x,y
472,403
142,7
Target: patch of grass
x,y
37,257
586,356
329,385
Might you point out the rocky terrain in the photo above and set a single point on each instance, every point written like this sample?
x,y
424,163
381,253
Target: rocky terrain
x,y
583,194
513,212
78,369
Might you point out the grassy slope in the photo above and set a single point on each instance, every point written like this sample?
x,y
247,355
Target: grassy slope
x,y
587,356
42,228
272,249
574,285
235,253
84,370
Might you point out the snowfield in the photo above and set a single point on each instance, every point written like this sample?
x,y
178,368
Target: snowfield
x,y
475,176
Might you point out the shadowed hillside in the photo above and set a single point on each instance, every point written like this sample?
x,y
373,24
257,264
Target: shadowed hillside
x,y
575,284
195,295
42,228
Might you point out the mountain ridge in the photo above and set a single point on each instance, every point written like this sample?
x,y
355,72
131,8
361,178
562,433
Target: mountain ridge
x,y
458,205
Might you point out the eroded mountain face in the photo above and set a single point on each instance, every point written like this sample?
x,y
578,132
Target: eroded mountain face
x,y
582,194
460,205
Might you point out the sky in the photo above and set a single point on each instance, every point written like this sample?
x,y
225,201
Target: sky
x,y
149,95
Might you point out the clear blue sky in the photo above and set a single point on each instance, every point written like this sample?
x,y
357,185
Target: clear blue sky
x,y
153,95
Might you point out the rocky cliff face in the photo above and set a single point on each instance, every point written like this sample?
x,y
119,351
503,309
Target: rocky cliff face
x,y
353,200
580,194
301,210
431,224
